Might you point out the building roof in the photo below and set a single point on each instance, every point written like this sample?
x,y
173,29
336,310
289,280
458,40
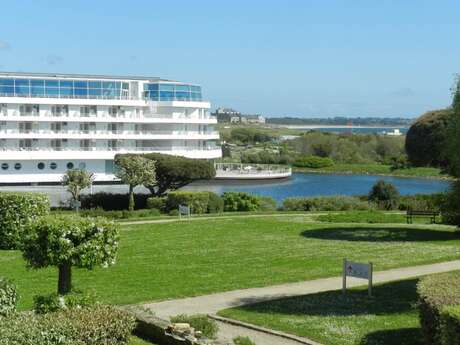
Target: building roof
x,y
80,76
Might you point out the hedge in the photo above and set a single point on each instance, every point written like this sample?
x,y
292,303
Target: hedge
x,y
112,202
240,201
98,325
8,297
198,201
314,162
157,202
17,210
450,325
125,214
435,292
325,203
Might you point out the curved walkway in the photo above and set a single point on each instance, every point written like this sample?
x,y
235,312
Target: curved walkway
x,y
211,304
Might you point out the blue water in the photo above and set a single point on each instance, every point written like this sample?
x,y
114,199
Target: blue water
x,y
301,184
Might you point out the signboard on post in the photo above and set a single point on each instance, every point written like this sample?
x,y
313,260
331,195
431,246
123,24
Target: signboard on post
x,y
357,270
184,211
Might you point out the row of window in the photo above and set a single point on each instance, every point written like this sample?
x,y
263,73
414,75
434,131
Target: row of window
x,y
41,166
63,88
62,110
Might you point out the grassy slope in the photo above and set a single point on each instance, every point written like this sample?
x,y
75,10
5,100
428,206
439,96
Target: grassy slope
x,y
138,341
329,317
378,169
159,261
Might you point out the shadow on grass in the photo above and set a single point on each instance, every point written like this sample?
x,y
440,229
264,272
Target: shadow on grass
x,y
403,336
389,298
381,234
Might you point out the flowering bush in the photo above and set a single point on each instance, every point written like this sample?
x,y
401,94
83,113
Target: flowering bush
x,y
71,241
8,297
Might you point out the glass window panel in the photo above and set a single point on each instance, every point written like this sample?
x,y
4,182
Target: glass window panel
x,y
95,84
66,91
125,86
182,95
166,95
117,85
66,83
7,82
195,88
108,85
166,87
196,96
95,92
37,82
6,89
52,91
80,92
37,91
152,87
81,84
185,88
22,82
52,83
22,90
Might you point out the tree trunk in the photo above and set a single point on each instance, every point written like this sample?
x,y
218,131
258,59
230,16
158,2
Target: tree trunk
x,y
131,198
65,278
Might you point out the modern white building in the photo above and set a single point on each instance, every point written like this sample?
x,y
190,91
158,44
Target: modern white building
x,y
50,123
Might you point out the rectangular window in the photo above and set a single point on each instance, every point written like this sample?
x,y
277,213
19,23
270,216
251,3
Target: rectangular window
x,y
94,84
3,109
52,91
52,83
60,110
29,110
184,88
6,82
166,87
66,83
81,84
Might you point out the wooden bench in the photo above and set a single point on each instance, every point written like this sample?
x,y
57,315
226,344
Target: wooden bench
x,y
417,213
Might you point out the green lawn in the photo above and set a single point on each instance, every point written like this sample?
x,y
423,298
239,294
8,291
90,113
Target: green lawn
x,y
368,217
389,317
138,341
379,169
160,261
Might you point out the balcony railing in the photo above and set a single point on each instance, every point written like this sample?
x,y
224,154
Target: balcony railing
x,y
64,131
121,149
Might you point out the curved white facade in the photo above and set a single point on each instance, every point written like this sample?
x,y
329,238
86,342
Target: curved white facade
x,y
52,123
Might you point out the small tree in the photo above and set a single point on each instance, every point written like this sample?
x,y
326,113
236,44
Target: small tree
x,y
76,180
385,194
70,241
135,170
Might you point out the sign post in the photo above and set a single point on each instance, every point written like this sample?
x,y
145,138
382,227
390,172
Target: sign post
x,y
357,270
184,210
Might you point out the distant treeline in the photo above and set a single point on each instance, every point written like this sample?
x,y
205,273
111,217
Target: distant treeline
x,y
342,121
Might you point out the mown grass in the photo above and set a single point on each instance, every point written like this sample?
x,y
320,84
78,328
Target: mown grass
x,y
377,169
139,341
367,217
389,317
172,260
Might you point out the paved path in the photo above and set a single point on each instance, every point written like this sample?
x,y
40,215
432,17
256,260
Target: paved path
x,y
211,304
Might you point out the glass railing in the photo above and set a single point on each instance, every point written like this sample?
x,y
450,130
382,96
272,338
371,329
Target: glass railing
x,y
120,149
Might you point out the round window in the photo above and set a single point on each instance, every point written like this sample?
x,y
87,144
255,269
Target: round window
x,y
53,165
17,166
82,165
5,166
41,165
70,165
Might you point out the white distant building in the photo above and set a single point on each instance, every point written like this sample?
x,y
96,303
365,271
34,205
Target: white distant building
x,y
50,123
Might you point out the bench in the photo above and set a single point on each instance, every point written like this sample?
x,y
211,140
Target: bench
x,y
417,213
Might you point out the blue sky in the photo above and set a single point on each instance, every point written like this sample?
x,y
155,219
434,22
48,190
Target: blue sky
x,y
299,58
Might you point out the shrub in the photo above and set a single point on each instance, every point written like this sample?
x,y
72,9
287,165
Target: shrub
x,y
215,203
325,203
435,292
198,201
157,202
240,201
314,162
45,304
385,195
112,202
17,211
200,322
99,212
98,325
267,203
450,325
423,202
243,341
450,206
174,213
8,297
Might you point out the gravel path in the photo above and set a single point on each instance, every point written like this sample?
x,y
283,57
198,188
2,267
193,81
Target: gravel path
x,y
211,304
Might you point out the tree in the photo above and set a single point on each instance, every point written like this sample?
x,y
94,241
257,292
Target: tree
x,y
426,139
135,170
68,241
384,194
173,172
76,180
